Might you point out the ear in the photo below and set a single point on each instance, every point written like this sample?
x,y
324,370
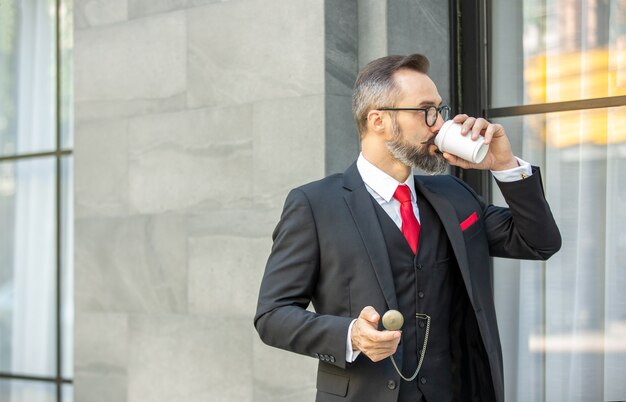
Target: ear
x,y
375,121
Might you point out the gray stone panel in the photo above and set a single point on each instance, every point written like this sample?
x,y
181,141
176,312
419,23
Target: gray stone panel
x,y
288,147
422,27
372,39
225,274
342,138
281,376
341,69
101,343
247,51
140,8
189,359
91,13
134,264
341,31
100,152
244,222
111,109
124,64
193,3
199,159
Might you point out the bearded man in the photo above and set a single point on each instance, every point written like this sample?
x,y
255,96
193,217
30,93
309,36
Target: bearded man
x,y
377,238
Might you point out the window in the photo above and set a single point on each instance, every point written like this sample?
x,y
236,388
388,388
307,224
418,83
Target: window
x,y
35,201
557,80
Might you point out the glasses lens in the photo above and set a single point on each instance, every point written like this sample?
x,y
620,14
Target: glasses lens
x,y
431,116
444,111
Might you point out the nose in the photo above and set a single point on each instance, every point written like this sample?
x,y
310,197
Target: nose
x,y
437,126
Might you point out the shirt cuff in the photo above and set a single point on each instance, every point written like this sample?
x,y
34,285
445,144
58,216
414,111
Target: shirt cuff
x,y
351,355
523,171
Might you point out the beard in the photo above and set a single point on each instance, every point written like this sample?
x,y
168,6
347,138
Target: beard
x,y
415,156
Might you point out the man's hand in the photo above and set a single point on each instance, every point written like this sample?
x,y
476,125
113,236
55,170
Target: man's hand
x,y
500,155
365,336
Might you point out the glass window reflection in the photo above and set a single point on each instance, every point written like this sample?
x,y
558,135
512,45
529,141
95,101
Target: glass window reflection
x,y
27,269
26,391
557,50
563,322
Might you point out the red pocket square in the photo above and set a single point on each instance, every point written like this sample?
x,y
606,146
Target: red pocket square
x,y
469,221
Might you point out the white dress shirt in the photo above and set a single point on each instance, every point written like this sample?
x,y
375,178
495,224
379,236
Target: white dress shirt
x,y
382,187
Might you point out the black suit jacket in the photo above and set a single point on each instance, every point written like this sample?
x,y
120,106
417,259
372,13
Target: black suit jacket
x,y
329,250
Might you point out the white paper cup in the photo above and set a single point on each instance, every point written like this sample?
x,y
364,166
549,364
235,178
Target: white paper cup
x,y
449,139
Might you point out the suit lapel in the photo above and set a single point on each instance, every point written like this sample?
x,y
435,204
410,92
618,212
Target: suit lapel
x,y
359,202
447,215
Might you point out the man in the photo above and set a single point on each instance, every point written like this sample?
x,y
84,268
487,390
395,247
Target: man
x,y
377,238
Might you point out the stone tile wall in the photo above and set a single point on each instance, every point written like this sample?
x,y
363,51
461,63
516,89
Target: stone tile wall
x,y
193,119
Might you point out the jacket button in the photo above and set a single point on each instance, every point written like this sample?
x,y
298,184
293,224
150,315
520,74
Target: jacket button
x,y
419,266
423,380
391,384
332,359
421,295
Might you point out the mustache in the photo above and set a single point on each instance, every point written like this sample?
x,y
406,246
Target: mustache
x,y
431,141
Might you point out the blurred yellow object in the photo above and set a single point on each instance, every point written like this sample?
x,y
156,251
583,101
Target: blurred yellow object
x,y
594,73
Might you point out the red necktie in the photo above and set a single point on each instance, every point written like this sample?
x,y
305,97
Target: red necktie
x,y
410,225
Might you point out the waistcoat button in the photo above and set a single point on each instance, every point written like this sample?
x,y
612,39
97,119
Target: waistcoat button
x,y
391,384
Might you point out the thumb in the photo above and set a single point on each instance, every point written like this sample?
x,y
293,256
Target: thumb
x,y
370,315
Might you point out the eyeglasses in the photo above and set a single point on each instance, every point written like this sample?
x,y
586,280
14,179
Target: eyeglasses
x,y
431,113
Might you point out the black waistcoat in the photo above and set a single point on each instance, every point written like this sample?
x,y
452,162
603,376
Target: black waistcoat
x,y
424,284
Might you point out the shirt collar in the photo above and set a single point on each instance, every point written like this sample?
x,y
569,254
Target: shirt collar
x,y
379,181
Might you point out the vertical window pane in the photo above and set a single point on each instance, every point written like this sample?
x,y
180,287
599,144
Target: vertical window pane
x,y
27,76
68,393
563,322
27,269
67,265
557,50
27,391
67,83
519,287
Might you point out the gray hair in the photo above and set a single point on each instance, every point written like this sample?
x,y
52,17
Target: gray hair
x,y
375,86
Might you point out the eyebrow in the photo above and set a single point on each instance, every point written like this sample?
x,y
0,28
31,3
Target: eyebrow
x,y
429,103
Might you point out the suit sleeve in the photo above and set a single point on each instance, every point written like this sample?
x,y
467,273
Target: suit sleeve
x,y
526,230
289,285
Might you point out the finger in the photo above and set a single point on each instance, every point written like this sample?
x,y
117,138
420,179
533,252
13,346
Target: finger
x,y
384,336
460,118
374,348
467,125
491,131
369,339
479,126
379,354
370,315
